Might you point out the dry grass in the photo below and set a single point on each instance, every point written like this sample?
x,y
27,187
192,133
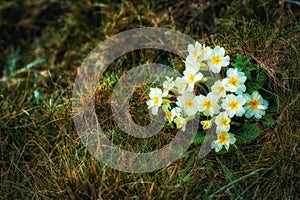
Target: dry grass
x,y
43,43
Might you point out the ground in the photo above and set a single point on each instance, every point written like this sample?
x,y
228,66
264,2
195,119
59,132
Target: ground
x,y
44,42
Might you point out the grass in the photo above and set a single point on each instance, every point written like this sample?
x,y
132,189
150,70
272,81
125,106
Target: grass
x,y
42,43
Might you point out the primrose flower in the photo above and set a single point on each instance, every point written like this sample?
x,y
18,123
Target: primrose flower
x,y
223,139
255,105
191,62
218,89
208,104
195,51
217,60
168,84
176,111
187,101
155,100
235,81
171,114
206,124
233,105
166,109
180,122
223,122
181,85
206,52
191,76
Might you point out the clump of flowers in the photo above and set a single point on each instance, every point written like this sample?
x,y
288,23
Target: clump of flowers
x,y
226,100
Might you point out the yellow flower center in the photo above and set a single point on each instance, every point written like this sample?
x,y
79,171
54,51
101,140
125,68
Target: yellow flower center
x,y
199,59
195,52
253,104
189,103
225,121
169,115
207,104
233,105
191,78
223,138
206,124
216,60
233,81
221,89
156,100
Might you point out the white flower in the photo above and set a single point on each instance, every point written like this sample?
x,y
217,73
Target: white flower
x,y
233,105
191,76
206,51
171,114
223,122
180,122
191,62
155,100
168,84
187,102
218,89
176,112
181,85
216,59
206,124
223,139
208,104
255,106
235,81
166,109
195,51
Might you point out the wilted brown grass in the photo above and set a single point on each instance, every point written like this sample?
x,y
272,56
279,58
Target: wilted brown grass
x,y
41,155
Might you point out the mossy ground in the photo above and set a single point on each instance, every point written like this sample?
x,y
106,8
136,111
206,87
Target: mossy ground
x,y
44,42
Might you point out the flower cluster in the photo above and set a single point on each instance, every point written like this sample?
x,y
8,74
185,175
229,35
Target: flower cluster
x,y
226,99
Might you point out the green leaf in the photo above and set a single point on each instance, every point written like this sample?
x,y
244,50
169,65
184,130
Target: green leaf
x,y
249,133
248,75
268,121
258,79
243,63
199,138
224,150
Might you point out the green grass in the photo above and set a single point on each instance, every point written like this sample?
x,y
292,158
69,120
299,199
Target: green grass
x,y
43,43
